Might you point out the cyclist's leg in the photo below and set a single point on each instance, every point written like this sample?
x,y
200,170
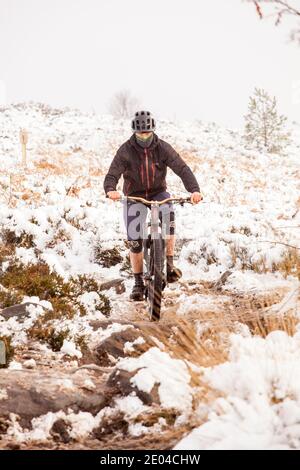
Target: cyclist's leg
x,y
135,215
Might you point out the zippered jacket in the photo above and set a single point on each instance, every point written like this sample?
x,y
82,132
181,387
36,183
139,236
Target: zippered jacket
x,y
144,169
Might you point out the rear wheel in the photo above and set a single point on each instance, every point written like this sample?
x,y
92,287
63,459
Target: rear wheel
x,y
157,278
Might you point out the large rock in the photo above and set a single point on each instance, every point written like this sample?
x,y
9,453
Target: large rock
x,y
33,393
113,347
109,350
120,380
18,310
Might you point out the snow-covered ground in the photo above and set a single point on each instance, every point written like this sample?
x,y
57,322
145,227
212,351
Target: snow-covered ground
x,y
261,404
247,223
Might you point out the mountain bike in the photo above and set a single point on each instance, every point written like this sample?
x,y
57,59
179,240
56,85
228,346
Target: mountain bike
x,y
154,254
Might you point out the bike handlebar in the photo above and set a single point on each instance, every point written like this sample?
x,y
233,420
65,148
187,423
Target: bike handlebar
x,y
179,200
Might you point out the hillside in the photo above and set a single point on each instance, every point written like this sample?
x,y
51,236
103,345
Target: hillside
x,y
86,366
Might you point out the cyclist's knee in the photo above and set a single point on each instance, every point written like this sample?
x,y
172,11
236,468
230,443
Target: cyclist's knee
x,y
135,246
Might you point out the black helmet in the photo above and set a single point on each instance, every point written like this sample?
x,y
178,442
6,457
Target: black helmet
x,y
143,121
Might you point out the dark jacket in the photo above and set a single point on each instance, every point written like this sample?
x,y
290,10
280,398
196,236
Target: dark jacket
x,y
144,169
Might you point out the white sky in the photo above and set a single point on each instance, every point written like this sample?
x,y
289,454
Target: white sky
x,y
182,59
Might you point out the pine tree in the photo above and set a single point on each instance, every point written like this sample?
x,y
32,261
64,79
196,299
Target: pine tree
x,y
264,127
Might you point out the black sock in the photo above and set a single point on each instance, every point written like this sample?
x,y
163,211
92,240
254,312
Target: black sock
x,y
138,277
170,264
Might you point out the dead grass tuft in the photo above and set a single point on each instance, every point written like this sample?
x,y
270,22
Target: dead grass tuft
x,y
107,257
11,240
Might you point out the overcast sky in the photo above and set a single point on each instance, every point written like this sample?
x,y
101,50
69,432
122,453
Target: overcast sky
x,y
182,59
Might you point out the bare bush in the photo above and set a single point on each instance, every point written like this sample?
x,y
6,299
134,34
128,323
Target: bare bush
x,y
123,104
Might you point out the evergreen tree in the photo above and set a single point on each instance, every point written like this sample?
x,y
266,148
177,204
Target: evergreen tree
x,y
264,127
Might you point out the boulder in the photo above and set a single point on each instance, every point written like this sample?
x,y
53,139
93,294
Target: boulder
x,y
120,380
18,310
112,348
33,393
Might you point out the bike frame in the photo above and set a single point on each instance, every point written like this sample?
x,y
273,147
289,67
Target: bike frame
x,y
154,233
154,254
154,218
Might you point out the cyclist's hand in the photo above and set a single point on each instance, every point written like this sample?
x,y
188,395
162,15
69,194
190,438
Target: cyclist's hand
x,y
196,197
114,195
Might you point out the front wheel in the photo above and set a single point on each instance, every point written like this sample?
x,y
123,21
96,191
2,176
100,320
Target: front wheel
x,y
157,279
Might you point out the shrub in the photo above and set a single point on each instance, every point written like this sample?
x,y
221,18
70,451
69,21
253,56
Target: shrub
x,y
109,257
37,280
9,298
10,238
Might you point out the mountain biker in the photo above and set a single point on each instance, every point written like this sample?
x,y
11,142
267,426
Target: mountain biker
x,y
143,162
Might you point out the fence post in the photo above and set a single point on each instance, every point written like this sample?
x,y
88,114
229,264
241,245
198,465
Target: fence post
x,y
24,140
2,353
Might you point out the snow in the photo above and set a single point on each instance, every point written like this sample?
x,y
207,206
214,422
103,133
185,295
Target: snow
x,y
261,404
172,377
29,364
3,394
249,197
250,210
138,429
198,303
103,333
290,302
69,348
88,384
243,281
26,255
81,424
16,329
89,300
15,365
35,300
131,406
129,346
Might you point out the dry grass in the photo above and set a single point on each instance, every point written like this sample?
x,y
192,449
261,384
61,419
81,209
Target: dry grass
x,y
210,349
54,162
289,264
67,163
50,162
6,251
44,166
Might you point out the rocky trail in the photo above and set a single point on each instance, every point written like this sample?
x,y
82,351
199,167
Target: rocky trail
x,y
84,366
55,383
